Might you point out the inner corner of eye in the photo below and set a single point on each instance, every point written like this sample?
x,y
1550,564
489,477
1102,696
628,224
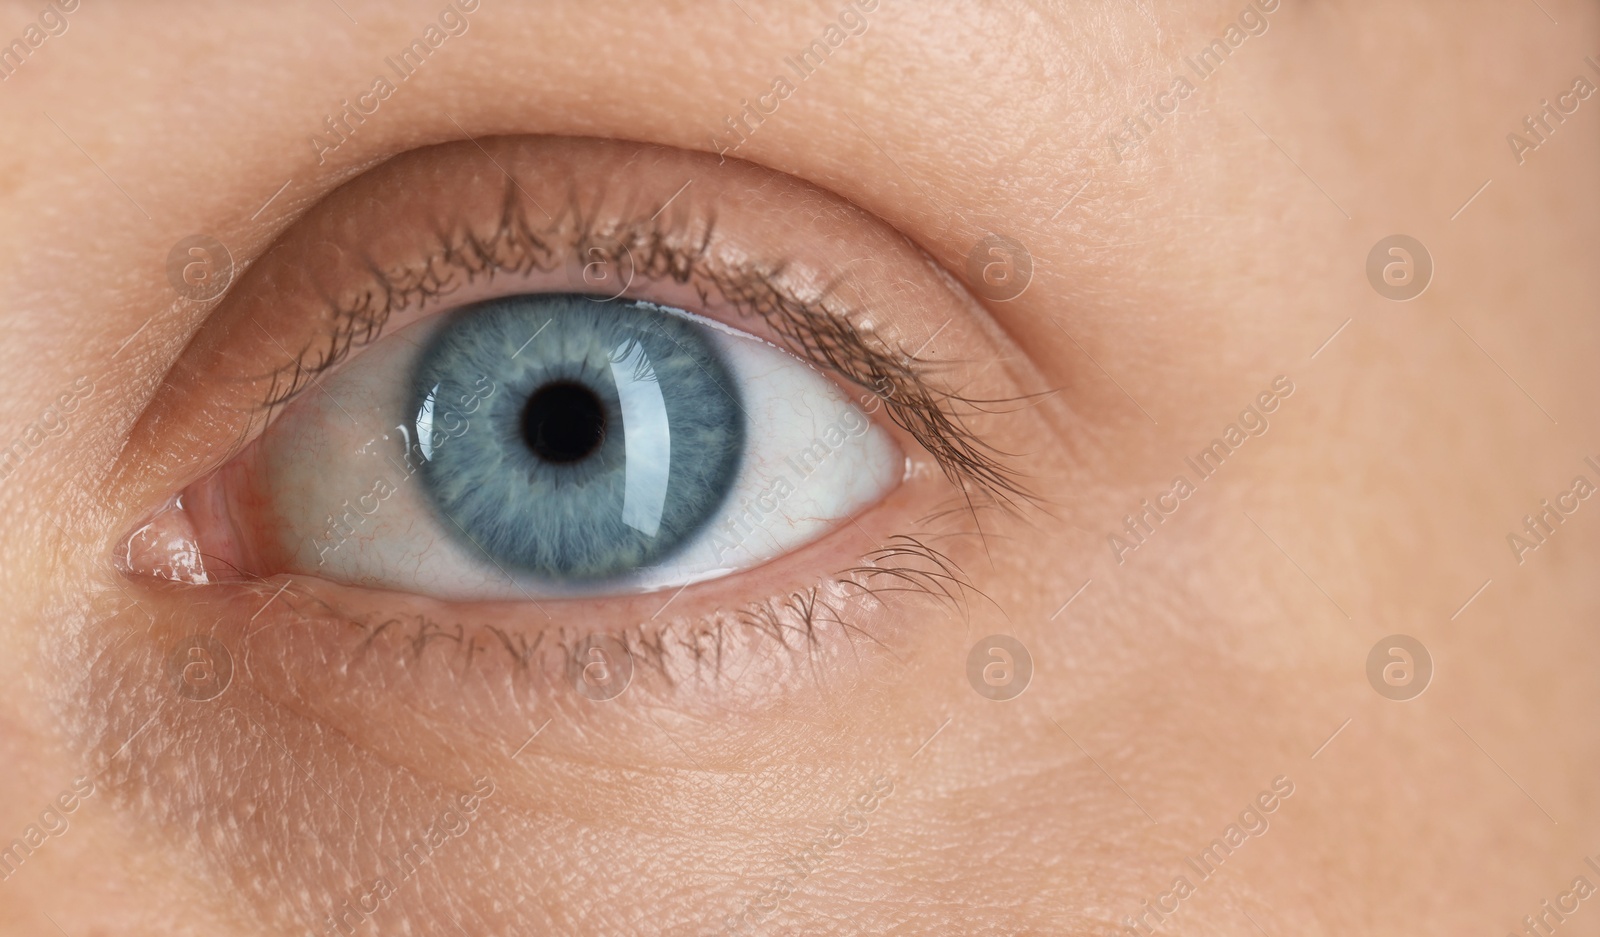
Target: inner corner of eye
x,y
536,445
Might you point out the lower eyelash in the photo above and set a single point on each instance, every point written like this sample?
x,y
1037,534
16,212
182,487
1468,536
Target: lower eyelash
x,y
680,650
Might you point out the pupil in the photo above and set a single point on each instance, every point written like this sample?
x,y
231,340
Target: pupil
x,y
563,422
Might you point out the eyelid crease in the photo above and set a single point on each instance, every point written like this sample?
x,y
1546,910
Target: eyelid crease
x,y
660,247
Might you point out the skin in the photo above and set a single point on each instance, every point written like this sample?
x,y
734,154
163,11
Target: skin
x,y
1171,285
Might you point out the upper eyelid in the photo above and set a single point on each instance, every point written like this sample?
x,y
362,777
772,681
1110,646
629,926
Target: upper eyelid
x,y
816,329
517,247
209,405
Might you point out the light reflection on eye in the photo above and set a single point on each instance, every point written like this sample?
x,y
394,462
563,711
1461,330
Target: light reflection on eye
x,y
425,424
647,431
553,444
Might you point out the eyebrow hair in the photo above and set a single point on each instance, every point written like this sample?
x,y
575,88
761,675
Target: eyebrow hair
x,y
816,329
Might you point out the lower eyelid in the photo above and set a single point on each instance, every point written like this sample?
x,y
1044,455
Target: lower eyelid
x,y
680,646
322,727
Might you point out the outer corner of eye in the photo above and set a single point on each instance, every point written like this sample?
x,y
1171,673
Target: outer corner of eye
x,y
538,445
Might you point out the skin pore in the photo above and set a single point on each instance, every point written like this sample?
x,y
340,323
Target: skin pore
x,y
1195,253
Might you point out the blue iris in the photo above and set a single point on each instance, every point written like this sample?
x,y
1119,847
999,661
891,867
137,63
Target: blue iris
x,y
572,439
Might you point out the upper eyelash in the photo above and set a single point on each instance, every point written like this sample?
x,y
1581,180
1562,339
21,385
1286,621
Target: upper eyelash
x,y
812,329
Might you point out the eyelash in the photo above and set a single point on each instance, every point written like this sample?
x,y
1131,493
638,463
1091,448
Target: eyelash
x,y
675,247
810,329
906,564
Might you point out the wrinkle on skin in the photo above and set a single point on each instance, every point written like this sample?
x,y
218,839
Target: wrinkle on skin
x,y
1177,282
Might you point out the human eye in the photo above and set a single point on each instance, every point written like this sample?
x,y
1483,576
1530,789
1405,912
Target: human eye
x,y
510,389
546,444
